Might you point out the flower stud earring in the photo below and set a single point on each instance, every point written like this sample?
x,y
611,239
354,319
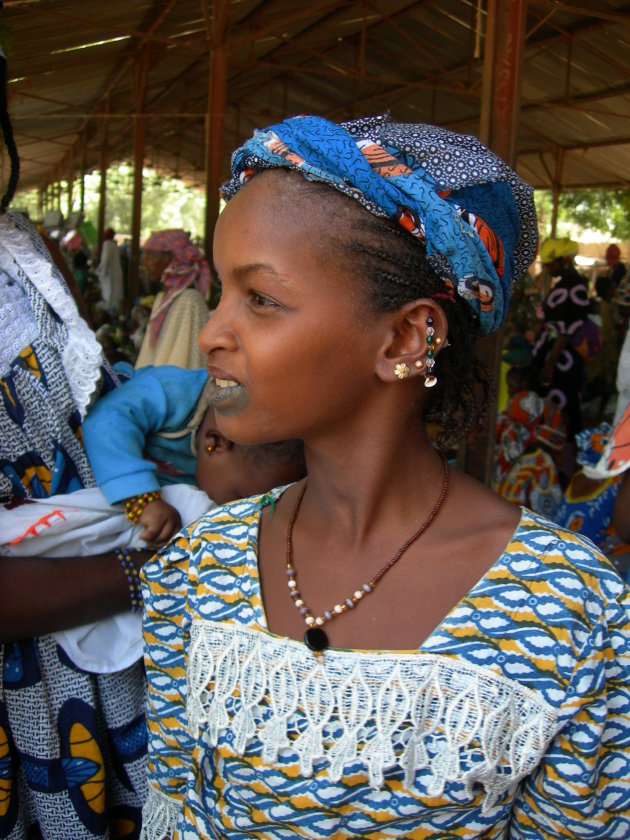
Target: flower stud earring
x,y
429,379
401,370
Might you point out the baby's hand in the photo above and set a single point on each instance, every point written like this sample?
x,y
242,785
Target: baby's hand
x,y
160,521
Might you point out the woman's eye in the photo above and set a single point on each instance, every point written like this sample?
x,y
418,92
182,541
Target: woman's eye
x,y
261,300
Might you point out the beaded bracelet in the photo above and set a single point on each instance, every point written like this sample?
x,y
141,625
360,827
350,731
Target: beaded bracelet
x,y
133,579
136,504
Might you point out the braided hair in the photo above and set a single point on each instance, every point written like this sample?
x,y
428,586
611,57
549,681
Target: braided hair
x,y
395,270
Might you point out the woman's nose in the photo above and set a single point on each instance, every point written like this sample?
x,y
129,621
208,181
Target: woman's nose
x,y
217,333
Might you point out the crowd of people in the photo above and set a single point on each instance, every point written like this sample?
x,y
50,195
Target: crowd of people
x,y
342,635
564,390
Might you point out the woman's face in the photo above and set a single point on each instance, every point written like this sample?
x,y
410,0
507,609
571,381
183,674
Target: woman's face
x,y
289,353
154,263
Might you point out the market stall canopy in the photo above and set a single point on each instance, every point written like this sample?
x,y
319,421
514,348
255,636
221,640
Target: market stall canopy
x,y
74,70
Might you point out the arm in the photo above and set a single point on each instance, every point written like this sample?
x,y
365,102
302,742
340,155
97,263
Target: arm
x,y
40,595
581,788
116,428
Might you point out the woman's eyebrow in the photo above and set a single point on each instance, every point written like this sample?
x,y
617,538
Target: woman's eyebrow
x,y
249,268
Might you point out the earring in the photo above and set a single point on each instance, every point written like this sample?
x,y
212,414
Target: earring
x,y
401,370
429,379
419,364
214,442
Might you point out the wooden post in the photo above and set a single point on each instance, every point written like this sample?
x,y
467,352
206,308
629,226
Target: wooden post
x,y
83,166
70,179
139,135
500,106
556,189
215,118
103,185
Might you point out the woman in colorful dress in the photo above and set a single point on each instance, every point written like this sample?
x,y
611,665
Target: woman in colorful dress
x,y
386,648
565,340
72,743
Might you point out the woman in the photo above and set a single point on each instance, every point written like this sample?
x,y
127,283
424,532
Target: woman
x,y
387,648
563,343
110,274
180,311
72,743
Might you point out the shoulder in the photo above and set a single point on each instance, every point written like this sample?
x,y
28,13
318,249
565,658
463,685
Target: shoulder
x,y
222,532
564,563
190,298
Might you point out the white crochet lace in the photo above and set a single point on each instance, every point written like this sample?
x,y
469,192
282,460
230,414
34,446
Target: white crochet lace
x,y
159,816
417,711
82,356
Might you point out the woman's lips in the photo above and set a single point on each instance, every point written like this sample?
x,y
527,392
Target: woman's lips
x,y
221,389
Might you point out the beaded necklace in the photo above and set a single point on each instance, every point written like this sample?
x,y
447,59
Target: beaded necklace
x,y
315,637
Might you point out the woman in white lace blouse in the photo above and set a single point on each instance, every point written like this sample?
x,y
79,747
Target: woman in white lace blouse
x,y
385,649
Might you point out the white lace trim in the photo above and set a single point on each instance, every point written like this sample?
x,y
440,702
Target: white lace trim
x,y
82,355
417,711
159,816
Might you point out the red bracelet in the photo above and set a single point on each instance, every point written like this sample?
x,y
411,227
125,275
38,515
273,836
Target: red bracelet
x,y
136,504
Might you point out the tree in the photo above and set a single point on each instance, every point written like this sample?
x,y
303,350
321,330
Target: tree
x,y
606,211
166,202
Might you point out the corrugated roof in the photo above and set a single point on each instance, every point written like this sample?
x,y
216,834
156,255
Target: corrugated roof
x,y
73,68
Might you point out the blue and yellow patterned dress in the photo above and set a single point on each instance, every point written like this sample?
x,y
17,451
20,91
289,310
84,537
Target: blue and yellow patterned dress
x,y
511,720
72,743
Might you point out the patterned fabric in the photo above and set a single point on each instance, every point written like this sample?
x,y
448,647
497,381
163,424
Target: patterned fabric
x,y
524,471
591,513
72,745
187,267
534,482
186,316
591,444
473,214
512,718
615,457
565,312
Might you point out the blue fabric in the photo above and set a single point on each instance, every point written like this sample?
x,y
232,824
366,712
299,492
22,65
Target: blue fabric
x,y
461,198
121,437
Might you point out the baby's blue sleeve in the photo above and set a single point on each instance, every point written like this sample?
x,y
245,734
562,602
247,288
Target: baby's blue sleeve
x,y
114,432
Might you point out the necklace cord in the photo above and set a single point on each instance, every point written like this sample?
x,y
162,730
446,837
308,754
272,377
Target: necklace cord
x,y
314,636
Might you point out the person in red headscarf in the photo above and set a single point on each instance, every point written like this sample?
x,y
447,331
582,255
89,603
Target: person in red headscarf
x,y
180,310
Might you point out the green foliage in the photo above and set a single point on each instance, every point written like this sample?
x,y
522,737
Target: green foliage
x,y
166,202
605,211
6,39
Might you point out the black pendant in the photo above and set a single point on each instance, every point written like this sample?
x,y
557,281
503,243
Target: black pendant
x,y
316,639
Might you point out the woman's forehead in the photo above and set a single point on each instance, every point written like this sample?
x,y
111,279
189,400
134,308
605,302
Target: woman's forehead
x,y
279,203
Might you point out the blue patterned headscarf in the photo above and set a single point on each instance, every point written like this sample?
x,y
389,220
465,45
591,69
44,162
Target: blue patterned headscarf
x,y
472,213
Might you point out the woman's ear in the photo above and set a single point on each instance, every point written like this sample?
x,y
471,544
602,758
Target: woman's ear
x,y
419,331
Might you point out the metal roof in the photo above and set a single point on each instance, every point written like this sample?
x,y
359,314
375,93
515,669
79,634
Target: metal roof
x,y
73,68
